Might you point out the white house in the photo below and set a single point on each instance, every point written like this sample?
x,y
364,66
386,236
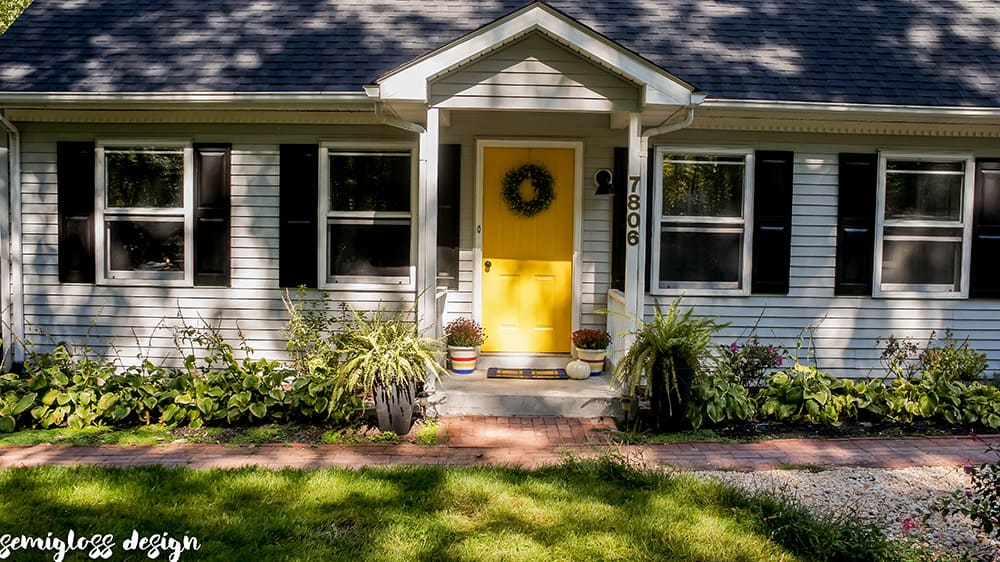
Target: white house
x,y
824,165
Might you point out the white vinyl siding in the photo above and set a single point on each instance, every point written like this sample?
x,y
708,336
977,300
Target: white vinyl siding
x,y
841,330
534,74
139,317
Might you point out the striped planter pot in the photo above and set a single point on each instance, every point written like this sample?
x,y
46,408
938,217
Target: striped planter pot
x,y
463,359
594,358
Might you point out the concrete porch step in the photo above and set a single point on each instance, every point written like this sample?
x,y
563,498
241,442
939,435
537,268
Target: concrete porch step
x,y
476,395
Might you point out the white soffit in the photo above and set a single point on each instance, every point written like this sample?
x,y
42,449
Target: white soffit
x,y
409,82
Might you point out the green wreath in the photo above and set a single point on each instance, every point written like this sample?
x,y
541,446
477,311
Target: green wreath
x,y
541,180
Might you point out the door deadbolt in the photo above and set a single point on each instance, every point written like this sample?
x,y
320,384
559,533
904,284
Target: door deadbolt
x,y
487,265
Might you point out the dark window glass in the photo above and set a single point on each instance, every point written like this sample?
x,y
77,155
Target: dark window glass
x,y
703,186
924,190
708,257
922,262
370,182
147,178
146,245
380,249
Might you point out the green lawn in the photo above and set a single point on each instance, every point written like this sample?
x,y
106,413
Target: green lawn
x,y
581,510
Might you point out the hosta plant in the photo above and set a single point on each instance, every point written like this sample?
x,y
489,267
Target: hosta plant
x,y
717,397
806,394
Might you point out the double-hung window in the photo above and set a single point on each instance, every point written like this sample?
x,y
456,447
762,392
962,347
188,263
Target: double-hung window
x,y
923,220
702,202
366,202
144,211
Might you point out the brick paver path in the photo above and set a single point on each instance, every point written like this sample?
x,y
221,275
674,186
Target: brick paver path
x,y
530,442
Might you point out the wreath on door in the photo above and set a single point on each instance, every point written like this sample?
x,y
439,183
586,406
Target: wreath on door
x,y
541,180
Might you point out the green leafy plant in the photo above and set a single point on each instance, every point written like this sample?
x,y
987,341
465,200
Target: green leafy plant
x,y
717,397
752,361
981,500
806,394
665,356
464,332
311,333
591,339
15,400
952,359
382,348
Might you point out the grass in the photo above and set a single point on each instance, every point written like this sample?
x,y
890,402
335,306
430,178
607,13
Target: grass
x,y
424,433
647,437
580,510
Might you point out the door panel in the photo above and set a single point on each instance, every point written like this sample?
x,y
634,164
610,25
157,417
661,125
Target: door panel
x,y
527,287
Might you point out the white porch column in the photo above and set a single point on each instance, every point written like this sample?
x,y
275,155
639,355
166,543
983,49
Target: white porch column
x,y
635,218
427,216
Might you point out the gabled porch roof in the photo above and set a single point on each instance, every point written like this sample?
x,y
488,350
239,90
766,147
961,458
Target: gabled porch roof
x,y
409,82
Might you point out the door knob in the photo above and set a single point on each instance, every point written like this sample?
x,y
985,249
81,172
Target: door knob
x,y
487,265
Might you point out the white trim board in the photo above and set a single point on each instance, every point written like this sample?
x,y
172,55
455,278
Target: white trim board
x,y
477,249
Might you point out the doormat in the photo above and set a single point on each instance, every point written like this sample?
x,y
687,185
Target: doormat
x,y
536,374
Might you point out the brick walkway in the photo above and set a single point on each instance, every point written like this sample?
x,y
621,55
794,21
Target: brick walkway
x,y
530,442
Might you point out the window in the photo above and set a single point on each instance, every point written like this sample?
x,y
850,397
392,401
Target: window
x,y
701,221
366,199
923,225
144,204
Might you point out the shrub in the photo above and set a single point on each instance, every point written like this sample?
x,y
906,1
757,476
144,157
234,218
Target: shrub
x,y
752,361
953,360
464,332
311,334
591,339
981,501
900,357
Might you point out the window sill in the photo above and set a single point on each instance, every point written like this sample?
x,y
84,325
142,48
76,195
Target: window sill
x,y
699,292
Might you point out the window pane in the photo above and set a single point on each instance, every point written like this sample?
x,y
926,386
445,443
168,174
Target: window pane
x,y
380,249
711,257
922,262
146,245
924,190
706,186
370,182
140,177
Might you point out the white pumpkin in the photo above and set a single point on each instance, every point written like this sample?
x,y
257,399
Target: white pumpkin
x,y
578,370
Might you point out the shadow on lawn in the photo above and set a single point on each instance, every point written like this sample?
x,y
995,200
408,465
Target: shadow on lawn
x,y
581,510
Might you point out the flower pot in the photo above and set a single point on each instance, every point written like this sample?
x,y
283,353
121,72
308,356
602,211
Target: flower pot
x,y
394,407
463,359
594,358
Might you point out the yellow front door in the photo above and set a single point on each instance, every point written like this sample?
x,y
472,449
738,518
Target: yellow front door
x,y
527,263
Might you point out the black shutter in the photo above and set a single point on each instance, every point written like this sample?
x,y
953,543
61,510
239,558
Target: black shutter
x,y
449,200
858,179
212,214
618,226
75,163
772,222
984,281
299,195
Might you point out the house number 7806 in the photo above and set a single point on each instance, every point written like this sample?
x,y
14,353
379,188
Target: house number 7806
x,y
632,219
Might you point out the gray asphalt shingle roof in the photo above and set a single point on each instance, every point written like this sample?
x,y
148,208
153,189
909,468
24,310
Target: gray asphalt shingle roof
x,y
907,52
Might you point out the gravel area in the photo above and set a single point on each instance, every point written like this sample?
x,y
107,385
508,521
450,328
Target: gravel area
x,y
885,497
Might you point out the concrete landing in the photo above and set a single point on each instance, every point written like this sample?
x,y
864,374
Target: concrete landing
x,y
476,395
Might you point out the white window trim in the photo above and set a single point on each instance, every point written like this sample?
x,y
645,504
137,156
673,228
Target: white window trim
x,y
365,282
722,224
102,250
894,290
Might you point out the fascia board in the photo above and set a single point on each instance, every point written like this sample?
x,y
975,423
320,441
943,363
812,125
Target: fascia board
x,y
410,82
